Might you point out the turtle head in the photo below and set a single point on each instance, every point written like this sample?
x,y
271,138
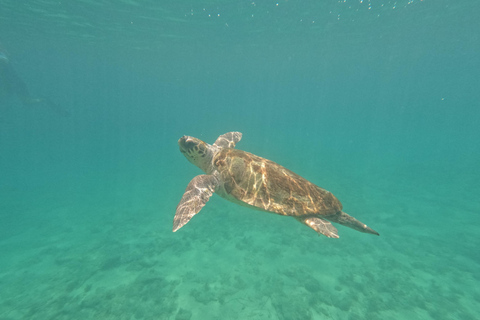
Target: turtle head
x,y
196,151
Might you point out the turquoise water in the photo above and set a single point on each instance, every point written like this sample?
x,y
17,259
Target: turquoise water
x,y
375,101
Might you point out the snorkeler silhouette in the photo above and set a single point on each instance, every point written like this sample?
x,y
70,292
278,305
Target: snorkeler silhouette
x,y
11,84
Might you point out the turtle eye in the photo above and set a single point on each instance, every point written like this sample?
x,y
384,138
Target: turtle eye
x,y
189,145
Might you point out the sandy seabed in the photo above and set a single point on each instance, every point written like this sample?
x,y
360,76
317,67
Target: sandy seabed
x,y
101,259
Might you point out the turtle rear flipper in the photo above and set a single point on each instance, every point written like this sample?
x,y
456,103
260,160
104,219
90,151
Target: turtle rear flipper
x,y
321,226
198,191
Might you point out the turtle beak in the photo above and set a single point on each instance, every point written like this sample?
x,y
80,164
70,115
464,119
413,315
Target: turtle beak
x,y
185,143
181,143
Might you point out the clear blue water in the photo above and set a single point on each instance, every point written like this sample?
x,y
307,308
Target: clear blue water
x,y
375,101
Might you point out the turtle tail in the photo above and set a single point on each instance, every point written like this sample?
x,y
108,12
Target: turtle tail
x,y
349,221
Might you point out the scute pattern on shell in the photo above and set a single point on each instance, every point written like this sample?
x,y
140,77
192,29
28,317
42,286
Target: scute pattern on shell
x,y
269,186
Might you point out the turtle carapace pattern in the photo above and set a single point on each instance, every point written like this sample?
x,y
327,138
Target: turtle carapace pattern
x,y
258,183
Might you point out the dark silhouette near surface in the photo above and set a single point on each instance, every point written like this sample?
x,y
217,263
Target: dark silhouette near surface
x,y
12,85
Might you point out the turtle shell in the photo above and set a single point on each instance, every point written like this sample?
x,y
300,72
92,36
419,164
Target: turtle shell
x,y
268,186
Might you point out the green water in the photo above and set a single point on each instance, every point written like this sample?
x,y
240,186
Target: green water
x,y
375,101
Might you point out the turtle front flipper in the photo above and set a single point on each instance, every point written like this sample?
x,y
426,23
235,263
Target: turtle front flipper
x,y
228,140
321,226
349,221
198,191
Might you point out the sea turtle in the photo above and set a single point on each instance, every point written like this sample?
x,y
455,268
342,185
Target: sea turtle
x,y
258,183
